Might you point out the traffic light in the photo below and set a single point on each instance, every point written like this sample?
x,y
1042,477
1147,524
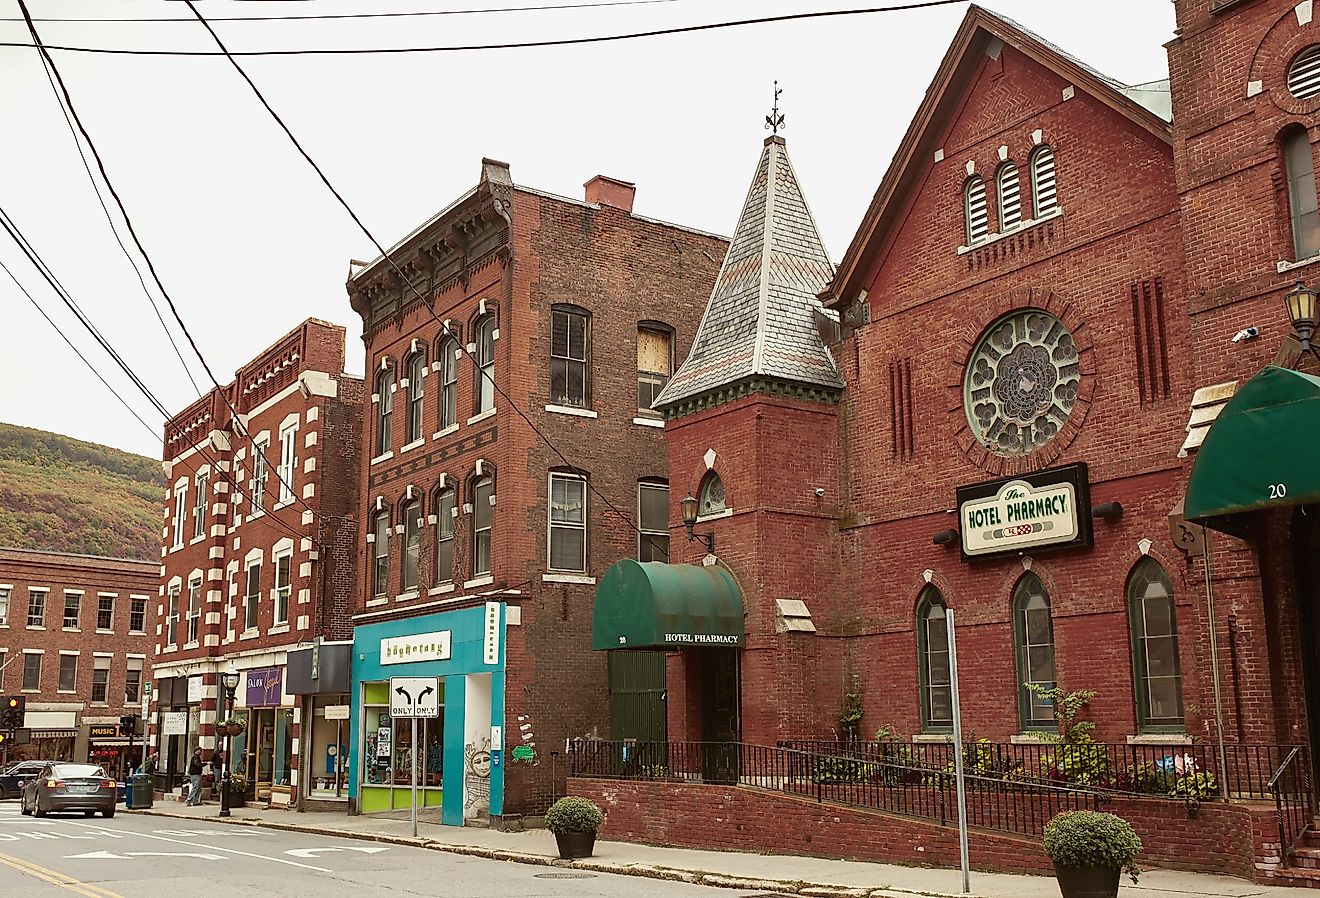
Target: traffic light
x,y
11,715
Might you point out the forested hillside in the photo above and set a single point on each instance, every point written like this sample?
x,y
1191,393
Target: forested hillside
x,y
65,495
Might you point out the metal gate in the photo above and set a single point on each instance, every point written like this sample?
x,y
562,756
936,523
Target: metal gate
x,y
637,696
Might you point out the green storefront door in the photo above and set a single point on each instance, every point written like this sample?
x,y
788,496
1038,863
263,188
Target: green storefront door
x,y
637,696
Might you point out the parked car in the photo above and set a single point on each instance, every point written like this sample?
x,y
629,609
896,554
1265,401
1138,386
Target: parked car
x,y
70,787
14,777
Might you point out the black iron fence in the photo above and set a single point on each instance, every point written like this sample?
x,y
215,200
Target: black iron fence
x,y
1291,788
1016,806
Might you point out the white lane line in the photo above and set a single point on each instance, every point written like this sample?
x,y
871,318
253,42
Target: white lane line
x,y
264,857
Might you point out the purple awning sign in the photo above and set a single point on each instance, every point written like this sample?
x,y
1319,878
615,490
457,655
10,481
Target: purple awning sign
x,y
264,687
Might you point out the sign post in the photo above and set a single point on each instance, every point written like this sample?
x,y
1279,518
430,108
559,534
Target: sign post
x,y
958,774
414,697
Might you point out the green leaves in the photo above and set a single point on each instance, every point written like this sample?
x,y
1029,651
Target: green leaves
x,y
572,814
1092,839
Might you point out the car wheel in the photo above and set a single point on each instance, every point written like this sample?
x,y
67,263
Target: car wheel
x,y
23,807
36,808
107,813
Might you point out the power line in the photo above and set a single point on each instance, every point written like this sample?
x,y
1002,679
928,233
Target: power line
x,y
128,222
518,45
115,231
404,277
122,401
355,15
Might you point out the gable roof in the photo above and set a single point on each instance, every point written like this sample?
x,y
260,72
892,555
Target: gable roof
x,y
760,320
1145,105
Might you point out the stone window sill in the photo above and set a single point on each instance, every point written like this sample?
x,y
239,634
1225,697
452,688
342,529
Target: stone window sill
x,y
568,578
650,422
570,410
380,458
1284,265
1160,739
441,434
442,588
278,629
407,595
1026,224
483,580
932,738
482,416
415,444
376,603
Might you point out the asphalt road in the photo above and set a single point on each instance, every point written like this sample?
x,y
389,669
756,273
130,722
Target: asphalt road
x,y
137,856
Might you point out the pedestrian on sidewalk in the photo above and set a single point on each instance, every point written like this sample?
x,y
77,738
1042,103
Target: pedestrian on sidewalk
x,y
195,778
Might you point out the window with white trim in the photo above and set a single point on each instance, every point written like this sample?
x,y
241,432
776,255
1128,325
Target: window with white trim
x,y
1043,192
283,586
448,383
4,606
653,521
199,506
72,609
137,615
100,680
384,411
482,525
252,594
380,577
978,215
444,536
655,364
259,450
570,359
1009,188
416,391
133,682
568,522
31,672
105,612
288,461
1299,166
484,388
36,612
194,608
412,543
172,616
180,512
68,673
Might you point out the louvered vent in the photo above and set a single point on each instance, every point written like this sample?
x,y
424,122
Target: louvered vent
x,y
1042,181
1304,74
978,220
1010,197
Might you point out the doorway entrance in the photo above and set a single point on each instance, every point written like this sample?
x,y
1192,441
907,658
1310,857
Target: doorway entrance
x,y
1306,576
637,696
721,725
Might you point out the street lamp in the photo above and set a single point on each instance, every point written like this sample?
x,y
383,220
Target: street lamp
x,y
688,507
228,679
1301,305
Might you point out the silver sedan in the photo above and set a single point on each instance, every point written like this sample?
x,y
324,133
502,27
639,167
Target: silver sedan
x,y
70,787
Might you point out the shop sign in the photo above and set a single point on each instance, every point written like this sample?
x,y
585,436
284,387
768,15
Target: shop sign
x,y
418,647
264,687
492,636
1049,508
336,712
195,690
102,731
174,723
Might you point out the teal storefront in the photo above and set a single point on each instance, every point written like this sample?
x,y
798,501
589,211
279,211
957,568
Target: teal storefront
x,y
461,758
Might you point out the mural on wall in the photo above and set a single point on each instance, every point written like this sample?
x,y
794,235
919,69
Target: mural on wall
x,y
476,777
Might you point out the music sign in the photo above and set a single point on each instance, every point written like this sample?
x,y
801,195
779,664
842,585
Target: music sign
x,y
1048,508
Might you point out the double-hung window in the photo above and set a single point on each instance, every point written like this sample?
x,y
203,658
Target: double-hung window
x,y
482,525
172,617
655,364
653,521
4,606
199,506
484,388
100,679
568,522
416,395
72,609
283,575
31,671
448,383
105,612
380,575
194,608
444,536
288,461
412,541
36,614
384,410
1299,167
252,595
570,347
180,512
133,682
137,614
259,476
68,672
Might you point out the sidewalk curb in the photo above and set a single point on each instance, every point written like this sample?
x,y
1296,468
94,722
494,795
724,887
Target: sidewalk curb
x,y
673,874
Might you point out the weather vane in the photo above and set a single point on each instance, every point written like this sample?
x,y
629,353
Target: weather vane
x,y
775,120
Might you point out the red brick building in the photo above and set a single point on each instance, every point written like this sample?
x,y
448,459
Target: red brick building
x,y
511,455
258,568
75,642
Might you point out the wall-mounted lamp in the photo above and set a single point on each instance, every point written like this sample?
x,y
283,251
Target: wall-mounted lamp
x,y
1301,305
688,507
1110,511
944,537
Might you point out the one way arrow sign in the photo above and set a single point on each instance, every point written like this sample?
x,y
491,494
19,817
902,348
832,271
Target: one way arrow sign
x,y
414,696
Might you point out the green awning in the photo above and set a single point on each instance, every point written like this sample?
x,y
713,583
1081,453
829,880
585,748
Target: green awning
x,y
649,605
1262,451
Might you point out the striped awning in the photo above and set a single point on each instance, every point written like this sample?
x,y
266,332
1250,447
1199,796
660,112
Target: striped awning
x,y
54,734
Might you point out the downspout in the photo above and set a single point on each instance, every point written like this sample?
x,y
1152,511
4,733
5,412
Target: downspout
x,y
1214,666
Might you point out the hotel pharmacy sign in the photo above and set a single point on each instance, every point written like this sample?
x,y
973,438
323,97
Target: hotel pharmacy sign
x,y
1049,508
419,647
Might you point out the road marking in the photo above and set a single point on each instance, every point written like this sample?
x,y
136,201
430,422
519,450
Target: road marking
x,y
87,890
264,857
312,852
111,856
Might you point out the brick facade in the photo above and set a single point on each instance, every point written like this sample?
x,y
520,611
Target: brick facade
x,y
98,611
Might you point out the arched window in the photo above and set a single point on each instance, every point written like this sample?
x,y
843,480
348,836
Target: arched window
x,y
933,662
448,383
1299,165
978,218
416,385
711,500
484,387
1042,180
1010,197
482,525
570,356
1155,663
444,536
1033,626
380,573
412,542
384,411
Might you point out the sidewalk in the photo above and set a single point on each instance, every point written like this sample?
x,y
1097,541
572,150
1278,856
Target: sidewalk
x,y
785,874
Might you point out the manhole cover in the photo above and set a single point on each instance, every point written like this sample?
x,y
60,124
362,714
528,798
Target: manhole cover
x,y
564,875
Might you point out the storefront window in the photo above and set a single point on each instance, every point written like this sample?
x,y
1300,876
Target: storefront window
x,y
283,756
387,753
327,748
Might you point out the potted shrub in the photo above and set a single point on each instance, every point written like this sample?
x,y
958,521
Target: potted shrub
x,y
237,790
574,822
1090,850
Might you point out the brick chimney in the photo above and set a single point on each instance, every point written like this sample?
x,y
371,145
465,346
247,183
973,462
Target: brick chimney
x,y
607,191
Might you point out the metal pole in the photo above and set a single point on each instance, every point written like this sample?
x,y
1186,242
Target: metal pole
x,y
958,754
227,763
414,771
1214,668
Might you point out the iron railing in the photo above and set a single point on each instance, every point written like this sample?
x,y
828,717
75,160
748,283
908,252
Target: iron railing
x,y
1156,771
1291,787
1021,807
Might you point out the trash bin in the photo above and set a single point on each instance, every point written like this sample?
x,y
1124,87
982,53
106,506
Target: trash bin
x,y
143,790
127,787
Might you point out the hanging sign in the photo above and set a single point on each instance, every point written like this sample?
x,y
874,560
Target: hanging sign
x,y
264,687
175,723
418,647
1048,508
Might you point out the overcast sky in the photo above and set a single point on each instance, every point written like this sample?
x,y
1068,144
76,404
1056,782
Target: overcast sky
x,y
250,243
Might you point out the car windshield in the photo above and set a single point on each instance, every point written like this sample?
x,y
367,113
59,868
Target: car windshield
x,y
77,770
